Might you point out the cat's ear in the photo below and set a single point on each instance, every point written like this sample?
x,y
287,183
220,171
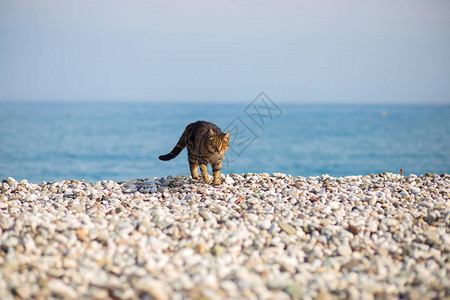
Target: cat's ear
x,y
211,133
227,135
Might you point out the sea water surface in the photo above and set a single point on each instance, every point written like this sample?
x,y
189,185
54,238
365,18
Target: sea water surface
x,y
52,141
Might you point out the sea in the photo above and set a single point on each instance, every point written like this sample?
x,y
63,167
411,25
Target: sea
x,y
54,141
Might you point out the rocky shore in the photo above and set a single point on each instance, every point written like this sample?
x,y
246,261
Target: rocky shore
x,y
256,236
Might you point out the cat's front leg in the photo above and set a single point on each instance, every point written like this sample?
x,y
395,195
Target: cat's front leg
x,y
204,172
216,173
193,165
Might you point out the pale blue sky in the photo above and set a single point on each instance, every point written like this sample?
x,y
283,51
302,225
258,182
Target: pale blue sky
x,y
296,51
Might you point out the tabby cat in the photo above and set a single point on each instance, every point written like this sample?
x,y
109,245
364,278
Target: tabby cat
x,y
206,144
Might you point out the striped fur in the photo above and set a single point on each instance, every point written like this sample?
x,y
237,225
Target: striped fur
x,y
206,144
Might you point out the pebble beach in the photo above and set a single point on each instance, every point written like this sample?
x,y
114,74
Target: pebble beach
x,y
256,236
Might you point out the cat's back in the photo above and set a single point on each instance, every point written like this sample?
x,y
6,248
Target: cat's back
x,y
197,135
202,126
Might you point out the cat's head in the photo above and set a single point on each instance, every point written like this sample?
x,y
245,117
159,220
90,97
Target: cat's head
x,y
218,142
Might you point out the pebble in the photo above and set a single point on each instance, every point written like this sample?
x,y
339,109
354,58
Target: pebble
x,y
353,229
60,289
229,180
289,229
344,250
255,236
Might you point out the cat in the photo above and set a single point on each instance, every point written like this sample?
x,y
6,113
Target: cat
x,y
206,144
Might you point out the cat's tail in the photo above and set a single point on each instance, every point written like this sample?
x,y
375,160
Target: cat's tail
x,y
176,150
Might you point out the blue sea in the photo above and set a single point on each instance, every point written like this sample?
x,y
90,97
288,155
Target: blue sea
x,y
53,141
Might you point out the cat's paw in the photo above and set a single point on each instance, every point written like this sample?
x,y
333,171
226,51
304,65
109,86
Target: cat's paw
x,y
217,182
206,179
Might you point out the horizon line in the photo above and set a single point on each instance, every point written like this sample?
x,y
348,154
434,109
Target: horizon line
x,y
284,102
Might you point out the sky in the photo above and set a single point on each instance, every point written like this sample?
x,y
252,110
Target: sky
x,y
384,51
